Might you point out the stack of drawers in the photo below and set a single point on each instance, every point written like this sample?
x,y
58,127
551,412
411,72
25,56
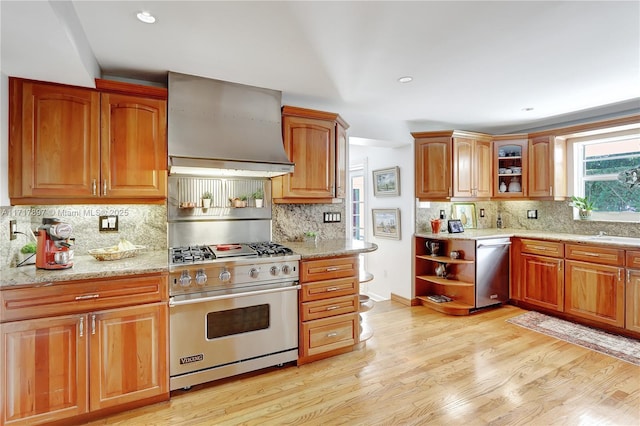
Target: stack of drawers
x,y
329,304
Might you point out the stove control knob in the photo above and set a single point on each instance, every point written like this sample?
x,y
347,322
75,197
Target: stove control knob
x,y
201,277
253,273
286,269
225,276
275,270
185,279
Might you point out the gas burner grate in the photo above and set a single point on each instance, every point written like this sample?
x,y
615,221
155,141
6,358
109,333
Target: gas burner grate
x,y
191,254
270,249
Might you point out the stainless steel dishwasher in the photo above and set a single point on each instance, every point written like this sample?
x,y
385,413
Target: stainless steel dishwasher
x,y
492,271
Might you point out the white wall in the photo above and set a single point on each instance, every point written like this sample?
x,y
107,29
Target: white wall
x,y
391,263
4,140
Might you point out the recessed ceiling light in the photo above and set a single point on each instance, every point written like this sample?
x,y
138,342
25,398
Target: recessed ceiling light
x,y
527,109
406,79
146,17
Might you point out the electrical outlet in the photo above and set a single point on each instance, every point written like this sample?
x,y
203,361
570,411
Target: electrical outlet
x,y
481,212
108,223
13,228
532,214
442,214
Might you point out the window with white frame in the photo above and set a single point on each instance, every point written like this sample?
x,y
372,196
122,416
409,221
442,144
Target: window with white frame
x,y
605,166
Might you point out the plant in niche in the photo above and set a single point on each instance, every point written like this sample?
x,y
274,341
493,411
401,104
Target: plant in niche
x,y
259,194
206,200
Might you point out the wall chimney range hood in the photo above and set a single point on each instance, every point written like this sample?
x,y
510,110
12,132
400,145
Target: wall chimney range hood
x,y
218,128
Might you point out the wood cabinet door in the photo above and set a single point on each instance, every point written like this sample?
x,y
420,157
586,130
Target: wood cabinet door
x,y
463,170
595,292
134,146
433,168
542,281
342,152
128,354
483,166
541,167
632,321
44,369
311,145
60,141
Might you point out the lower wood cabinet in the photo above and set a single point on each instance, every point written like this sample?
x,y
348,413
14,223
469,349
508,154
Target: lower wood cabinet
x,y
44,370
543,281
329,303
632,320
128,354
62,366
595,292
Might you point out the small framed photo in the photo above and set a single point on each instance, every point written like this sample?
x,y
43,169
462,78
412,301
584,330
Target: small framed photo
x,y
386,223
386,182
455,226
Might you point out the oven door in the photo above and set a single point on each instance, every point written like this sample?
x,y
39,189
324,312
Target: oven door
x,y
210,332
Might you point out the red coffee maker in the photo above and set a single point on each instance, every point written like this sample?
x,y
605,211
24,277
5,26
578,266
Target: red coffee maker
x,y
53,248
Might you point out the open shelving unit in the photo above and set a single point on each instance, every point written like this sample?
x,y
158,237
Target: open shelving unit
x,y
458,282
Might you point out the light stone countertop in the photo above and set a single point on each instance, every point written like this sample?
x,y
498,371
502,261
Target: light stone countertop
x,y
86,267
479,234
330,248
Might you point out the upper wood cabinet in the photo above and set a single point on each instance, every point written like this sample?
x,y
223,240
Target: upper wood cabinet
x,y
433,167
510,166
453,164
547,167
316,142
79,145
133,148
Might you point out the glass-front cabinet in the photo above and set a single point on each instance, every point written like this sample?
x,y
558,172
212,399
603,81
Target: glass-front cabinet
x,y
510,166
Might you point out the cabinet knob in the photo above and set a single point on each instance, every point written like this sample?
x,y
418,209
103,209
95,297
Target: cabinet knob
x,y
81,326
94,187
104,187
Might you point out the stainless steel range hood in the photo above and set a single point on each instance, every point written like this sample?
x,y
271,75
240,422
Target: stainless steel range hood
x,y
218,128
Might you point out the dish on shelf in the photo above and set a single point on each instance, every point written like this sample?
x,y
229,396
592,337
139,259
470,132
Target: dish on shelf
x,y
502,170
516,170
187,205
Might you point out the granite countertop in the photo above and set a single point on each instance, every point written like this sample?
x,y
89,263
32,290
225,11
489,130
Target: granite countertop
x,y
478,234
328,248
86,267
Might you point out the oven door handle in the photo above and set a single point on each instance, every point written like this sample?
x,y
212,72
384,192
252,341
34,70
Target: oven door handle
x,y
173,302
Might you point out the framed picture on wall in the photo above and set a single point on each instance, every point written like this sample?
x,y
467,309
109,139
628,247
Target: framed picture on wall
x,y
465,213
386,223
386,182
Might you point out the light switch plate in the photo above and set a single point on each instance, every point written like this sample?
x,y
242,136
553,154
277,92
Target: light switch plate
x,y
532,214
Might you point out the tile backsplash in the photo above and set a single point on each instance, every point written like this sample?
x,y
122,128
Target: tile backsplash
x,y
291,221
140,224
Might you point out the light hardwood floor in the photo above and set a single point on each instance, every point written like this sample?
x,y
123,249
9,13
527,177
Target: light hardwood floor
x,y
421,367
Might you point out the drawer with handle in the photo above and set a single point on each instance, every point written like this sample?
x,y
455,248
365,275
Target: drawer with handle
x,y
70,297
324,269
544,248
595,254
328,289
329,307
329,334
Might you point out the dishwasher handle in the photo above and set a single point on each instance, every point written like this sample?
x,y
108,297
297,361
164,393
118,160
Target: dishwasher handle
x,y
494,245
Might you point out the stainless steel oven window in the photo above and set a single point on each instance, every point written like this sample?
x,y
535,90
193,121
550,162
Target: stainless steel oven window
x,y
237,321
